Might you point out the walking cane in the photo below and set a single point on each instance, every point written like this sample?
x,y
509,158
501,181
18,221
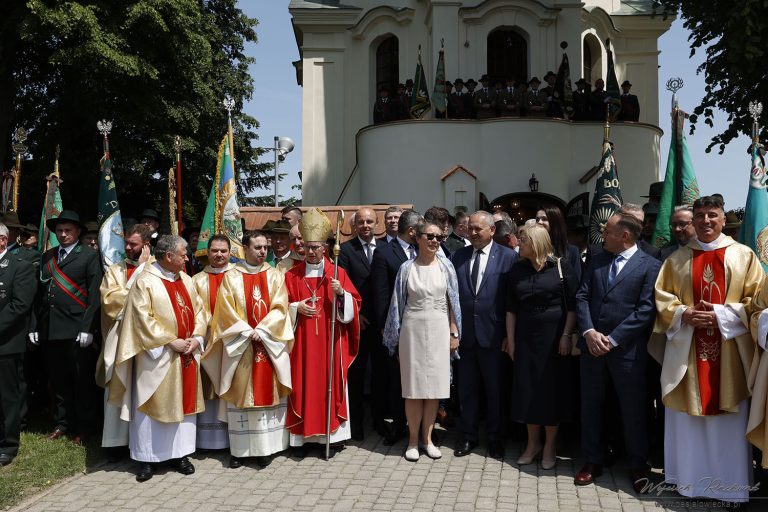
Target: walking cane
x,y
336,251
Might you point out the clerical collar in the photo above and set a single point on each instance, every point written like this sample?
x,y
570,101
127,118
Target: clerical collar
x,y
165,274
217,270
314,269
252,269
711,246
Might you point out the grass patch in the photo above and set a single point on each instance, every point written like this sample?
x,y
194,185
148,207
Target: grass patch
x,y
39,464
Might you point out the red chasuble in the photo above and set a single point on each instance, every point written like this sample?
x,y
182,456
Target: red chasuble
x,y
257,304
708,285
185,320
307,403
214,281
129,269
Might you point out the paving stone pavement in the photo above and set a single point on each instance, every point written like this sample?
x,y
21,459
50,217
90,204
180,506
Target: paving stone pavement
x,y
364,476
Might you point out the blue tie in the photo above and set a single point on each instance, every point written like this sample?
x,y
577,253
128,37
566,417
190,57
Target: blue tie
x,y
614,269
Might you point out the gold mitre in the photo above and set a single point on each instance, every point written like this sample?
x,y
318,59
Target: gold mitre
x,y
315,226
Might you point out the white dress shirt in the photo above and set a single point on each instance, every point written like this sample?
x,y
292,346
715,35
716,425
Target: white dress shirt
x,y
483,255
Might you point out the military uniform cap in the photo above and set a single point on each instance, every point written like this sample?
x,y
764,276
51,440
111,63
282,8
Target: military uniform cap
x,y
281,226
315,226
267,227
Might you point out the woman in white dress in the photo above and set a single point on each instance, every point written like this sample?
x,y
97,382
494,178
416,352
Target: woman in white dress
x,y
423,313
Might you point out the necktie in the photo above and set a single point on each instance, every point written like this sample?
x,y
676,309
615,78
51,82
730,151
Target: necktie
x,y
368,252
411,252
614,271
62,254
475,272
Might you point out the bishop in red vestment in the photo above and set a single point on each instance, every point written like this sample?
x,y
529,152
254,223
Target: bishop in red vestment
x,y
312,291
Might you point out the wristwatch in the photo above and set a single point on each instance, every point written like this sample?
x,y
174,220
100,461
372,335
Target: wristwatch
x,y
454,335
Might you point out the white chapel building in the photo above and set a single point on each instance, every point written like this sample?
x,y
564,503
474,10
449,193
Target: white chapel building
x,y
348,47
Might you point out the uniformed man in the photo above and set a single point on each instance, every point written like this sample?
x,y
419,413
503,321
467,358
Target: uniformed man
x,y
597,99
459,99
383,108
17,294
508,100
409,88
630,106
280,249
581,111
90,235
534,99
67,313
469,98
485,104
11,221
151,219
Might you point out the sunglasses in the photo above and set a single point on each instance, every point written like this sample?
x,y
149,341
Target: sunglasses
x,y
432,236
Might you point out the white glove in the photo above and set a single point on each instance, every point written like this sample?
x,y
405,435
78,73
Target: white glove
x,y
34,338
85,339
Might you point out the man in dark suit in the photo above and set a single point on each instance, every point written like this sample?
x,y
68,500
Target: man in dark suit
x,y
456,240
356,257
17,294
482,273
630,107
67,312
384,267
383,109
615,309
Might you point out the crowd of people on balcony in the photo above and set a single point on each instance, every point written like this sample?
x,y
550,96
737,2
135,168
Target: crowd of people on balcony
x,y
510,98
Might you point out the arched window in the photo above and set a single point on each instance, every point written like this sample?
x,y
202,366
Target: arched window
x,y
507,55
387,64
593,59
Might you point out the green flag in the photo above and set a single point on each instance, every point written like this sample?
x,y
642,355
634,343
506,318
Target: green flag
x,y
607,198
222,214
680,185
111,242
613,93
754,226
420,105
439,99
51,209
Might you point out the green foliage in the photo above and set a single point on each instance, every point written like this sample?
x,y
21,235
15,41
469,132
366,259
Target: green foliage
x,y
735,71
157,68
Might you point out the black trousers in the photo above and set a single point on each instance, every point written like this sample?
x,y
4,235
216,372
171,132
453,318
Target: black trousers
x,y
480,368
12,401
71,370
628,377
370,346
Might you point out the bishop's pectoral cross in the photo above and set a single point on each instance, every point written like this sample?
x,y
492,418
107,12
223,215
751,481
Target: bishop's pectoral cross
x,y
314,299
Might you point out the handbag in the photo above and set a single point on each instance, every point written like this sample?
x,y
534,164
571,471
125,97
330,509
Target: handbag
x,y
575,351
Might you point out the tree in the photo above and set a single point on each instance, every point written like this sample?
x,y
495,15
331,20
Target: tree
x,y
735,73
157,68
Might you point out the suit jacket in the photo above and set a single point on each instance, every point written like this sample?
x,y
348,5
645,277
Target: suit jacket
x,y
352,258
626,309
454,242
59,316
25,253
387,259
18,284
650,250
483,313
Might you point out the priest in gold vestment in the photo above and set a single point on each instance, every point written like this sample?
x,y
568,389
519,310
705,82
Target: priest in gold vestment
x,y
211,431
250,354
704,298
156,380
115,285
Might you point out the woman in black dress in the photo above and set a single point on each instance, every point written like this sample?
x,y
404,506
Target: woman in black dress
x,y
540,320
551,218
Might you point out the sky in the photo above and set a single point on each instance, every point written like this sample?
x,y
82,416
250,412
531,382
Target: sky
x,y
276,103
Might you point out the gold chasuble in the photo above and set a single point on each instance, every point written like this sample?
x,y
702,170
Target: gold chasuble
x,y
251,373
158,311
207,285
115,285
705,373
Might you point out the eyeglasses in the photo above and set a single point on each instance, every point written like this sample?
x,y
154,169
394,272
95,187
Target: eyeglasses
x,y
681,225
313,248
432,236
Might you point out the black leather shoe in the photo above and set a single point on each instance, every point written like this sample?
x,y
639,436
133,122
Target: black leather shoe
x,y
145,472
185,467
235,462
496,450
465,447
6,458
263,462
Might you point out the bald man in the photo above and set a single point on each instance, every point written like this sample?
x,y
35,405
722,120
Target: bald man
x,y
356,256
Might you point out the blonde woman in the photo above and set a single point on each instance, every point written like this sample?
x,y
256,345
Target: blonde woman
x,y
540,317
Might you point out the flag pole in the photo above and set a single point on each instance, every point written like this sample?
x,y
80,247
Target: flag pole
x,y
673,85
336,251
179,216
19,137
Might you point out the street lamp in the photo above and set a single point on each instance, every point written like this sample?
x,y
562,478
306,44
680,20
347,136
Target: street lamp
x,y
533,183
283,146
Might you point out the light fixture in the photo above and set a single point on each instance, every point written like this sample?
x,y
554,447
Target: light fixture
x,y
283,146
533,183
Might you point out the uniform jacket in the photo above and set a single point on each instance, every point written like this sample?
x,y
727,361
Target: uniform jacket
x,y
59,315
17,295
